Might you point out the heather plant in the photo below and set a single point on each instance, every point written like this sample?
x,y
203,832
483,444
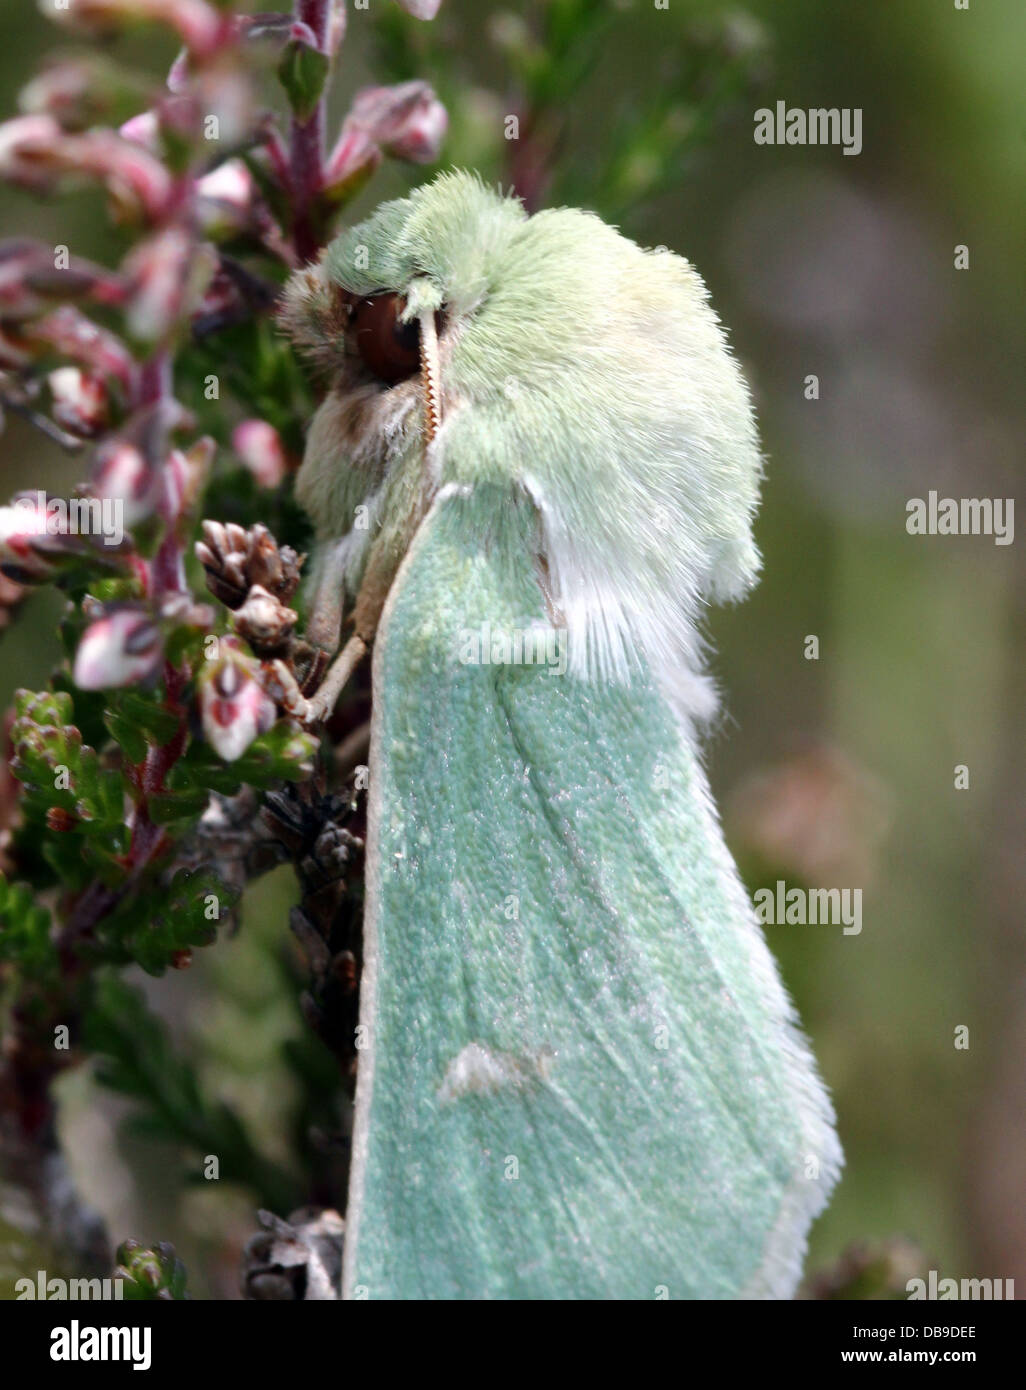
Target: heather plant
x,y
164,374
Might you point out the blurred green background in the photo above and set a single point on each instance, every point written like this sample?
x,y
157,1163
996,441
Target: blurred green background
x,y
838,771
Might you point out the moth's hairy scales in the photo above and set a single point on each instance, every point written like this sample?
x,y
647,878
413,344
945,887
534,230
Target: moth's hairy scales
x,y
630,427
608,1093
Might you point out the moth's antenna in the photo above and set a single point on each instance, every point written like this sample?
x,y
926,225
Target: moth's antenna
x,y
429,375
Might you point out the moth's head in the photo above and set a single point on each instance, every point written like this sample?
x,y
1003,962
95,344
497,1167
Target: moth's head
x,y
358,313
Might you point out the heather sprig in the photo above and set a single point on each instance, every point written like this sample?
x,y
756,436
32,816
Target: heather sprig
x,y
163,373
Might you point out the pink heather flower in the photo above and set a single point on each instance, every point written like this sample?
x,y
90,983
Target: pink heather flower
x,y
121,472
336,27
30,280
406,121
351,162
226,198
134,177
73,335
168,272
200,25
419,138
24,142
27,145
36,153
158,268
233,706
259,446
67,89
230,182
21,523
80,400
122,648
182,477
144,130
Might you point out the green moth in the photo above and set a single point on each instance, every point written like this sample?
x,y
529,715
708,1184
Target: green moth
x,y
580,1075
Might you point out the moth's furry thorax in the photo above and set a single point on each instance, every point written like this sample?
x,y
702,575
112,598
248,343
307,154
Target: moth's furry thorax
x,y
579,370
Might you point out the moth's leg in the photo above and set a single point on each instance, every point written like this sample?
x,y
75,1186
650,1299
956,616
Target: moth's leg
x,y
324,627
382,565
325,624
383,562
322,702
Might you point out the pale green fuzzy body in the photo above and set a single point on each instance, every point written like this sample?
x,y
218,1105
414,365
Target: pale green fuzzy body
x,y
579,1075
587,372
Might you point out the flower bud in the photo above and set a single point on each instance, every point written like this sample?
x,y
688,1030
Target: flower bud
x,y
72,334
143,129
123,647
22,524
406,121
233,706
23,145
226,198
36,153
200,26
83,91
80,401
259,446
120,471
235,560
350,164
168,271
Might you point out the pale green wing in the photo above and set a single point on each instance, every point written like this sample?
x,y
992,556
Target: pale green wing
x,y
579,1075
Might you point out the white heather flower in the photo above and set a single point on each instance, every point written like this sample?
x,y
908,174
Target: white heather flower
x,y
233,706
121,648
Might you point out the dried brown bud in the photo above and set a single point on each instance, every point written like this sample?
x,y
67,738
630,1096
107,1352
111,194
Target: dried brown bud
x,y
235,560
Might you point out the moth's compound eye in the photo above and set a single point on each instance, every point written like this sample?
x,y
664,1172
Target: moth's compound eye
x,y
390,349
